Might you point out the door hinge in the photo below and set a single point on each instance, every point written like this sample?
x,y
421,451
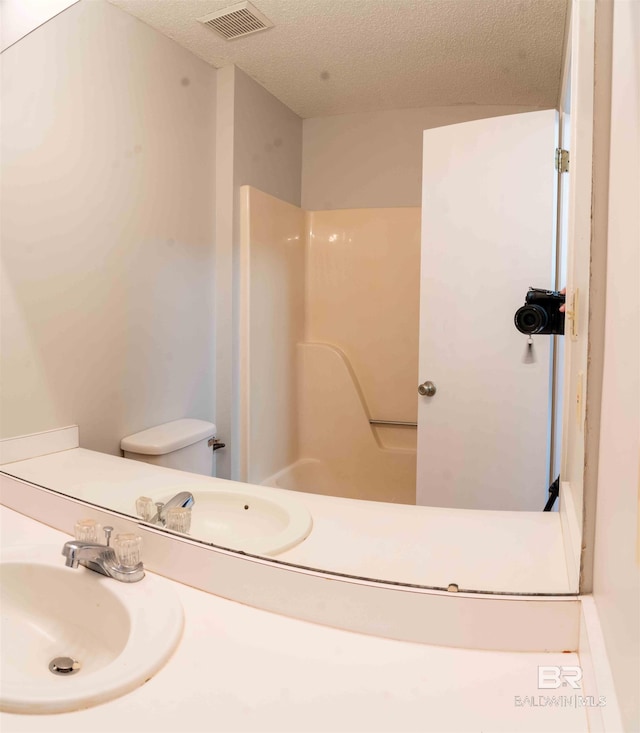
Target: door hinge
x,y
562,160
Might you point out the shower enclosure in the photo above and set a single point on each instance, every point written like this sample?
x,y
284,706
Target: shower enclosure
x,y
329,348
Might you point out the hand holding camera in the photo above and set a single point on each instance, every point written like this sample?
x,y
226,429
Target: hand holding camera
x,y
542,312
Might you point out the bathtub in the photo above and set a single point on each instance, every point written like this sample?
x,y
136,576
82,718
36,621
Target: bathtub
x,y
314,476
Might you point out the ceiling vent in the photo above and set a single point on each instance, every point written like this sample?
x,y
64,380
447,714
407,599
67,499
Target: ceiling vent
x,y
236,21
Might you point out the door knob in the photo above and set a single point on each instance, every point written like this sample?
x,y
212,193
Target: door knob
x,y
427,389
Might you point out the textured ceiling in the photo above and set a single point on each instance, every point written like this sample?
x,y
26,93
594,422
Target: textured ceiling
x,y
328,57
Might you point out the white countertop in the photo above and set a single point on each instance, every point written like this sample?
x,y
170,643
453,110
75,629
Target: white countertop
x,y
427,546
242,669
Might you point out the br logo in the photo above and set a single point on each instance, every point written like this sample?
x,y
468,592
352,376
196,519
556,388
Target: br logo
x,y
552,677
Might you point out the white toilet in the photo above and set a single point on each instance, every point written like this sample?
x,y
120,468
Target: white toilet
x,y
186,445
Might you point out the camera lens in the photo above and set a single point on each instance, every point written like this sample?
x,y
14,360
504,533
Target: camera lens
x,y
530,319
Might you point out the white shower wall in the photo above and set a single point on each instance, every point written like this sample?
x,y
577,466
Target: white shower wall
x,y
326,346
272,324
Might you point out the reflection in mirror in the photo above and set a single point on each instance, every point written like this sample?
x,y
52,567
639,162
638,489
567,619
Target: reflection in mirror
x,y
435,547
306,330
334,365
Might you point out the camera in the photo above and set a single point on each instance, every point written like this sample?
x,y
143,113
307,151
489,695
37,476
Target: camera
x,y
541,312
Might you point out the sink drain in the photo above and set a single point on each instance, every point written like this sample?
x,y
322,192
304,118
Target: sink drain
x,y
64,665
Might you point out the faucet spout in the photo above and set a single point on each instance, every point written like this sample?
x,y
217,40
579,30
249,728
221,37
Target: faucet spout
x,y
70,552
182,499
101,559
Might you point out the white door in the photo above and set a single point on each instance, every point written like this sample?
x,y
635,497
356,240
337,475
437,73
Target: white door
x,y
488,234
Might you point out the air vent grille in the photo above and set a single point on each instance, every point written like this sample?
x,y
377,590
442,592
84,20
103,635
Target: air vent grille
x,y
236,21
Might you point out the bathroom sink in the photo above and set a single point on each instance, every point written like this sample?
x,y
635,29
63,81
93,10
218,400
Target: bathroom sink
x,y
55,619
252,521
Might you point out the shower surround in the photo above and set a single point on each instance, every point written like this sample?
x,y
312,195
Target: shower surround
x,y
329,341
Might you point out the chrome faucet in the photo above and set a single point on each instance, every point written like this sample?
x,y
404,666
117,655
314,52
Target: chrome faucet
x,y
101,559
183,499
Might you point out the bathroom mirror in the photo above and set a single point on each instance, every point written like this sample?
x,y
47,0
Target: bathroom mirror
x,y
109,276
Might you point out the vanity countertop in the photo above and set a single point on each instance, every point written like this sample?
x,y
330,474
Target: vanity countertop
x,y
238,668
429,546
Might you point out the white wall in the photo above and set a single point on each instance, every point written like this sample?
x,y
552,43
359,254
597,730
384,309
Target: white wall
x,y
225,320
259,140
107,228
20,17
372,160
616,585
267,142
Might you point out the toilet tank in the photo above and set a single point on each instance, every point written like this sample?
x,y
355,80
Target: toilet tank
x,y
180,444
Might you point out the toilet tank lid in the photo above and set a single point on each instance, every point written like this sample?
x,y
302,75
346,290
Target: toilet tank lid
x,y
168,437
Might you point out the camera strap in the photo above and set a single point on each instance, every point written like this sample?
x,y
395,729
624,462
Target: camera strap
x,y
529,356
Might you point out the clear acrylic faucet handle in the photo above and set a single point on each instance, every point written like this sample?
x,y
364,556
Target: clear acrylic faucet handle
x,y
86,530
128,548
178,518
145,508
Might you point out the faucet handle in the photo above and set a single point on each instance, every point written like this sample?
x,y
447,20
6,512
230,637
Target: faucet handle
x,y
86,530
145,508
178,518
127,547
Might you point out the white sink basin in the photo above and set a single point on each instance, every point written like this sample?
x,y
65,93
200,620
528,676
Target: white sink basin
x,y
247,520
121,634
